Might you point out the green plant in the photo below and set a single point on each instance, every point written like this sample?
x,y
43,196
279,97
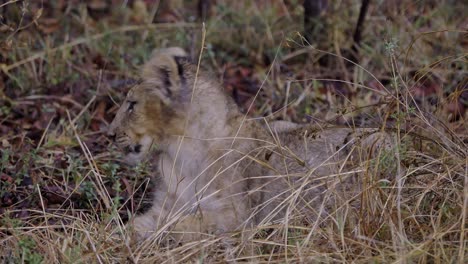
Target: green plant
x,y
28,251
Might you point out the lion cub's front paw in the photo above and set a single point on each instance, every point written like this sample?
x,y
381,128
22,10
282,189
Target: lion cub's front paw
x,y
192,228
142,227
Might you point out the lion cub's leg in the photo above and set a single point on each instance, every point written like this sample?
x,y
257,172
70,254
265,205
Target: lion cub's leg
x,y
148,223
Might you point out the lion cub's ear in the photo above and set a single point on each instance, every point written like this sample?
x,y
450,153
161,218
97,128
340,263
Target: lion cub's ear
x,y
164,74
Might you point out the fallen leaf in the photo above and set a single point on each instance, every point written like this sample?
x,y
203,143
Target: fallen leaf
x,y
98,8
48,25
426,84
140,12
5,143
37,15
6,178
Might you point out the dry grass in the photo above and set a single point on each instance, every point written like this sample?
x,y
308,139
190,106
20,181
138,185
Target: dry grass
x,y
65,197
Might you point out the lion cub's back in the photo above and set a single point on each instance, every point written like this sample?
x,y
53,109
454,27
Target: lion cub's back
x,y
325,151
309,161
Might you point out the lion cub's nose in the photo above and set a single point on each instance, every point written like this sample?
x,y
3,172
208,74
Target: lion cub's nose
x,y
111,135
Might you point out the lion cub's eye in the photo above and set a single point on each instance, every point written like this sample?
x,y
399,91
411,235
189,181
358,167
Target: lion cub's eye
x,y
131,105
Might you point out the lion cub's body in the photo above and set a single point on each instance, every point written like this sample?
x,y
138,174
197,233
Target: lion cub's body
x,y
219,171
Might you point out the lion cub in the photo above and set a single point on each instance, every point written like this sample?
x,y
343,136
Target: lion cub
x,y
219,171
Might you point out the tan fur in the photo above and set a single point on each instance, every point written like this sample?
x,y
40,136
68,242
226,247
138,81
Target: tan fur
x,y
220,172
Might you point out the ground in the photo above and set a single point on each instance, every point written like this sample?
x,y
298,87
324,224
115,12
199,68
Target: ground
x,y
65,195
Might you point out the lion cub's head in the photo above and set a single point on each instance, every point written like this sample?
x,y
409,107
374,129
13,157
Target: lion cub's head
x,y
153,109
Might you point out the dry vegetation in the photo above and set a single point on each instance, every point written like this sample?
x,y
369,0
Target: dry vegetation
x,y
65,196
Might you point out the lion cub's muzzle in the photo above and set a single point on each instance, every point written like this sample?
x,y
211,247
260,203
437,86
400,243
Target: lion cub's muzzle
x,y
132,149
123,143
